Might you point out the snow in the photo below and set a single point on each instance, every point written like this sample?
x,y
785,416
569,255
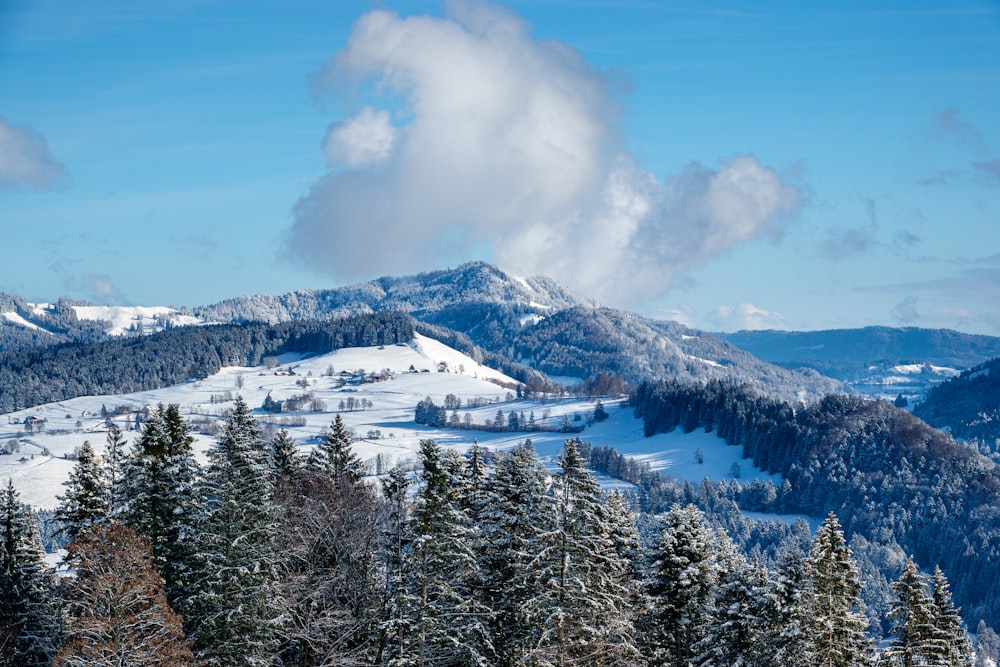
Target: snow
x,y
707,362
916,369
387,428
17,319
123,317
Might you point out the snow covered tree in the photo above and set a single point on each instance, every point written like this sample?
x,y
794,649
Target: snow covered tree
x,y
234,608
516,513
329,581
285,457
393,544
838,623
436,620
117,612
948,624
29,622
732,631
787,640
162,502
113,465
85,502
581,605
915,641
682,580
334,455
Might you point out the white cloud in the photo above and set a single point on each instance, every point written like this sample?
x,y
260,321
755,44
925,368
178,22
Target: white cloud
x,y
509,146
363,140
745,317
25,158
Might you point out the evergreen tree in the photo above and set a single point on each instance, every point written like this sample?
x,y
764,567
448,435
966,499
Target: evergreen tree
x,y
437,621
118,613
113,464
915,641
285,457
394,542
162,504
334,455
581,605
234,608
29,625
85,501
948,624
837,623
732,631
787,640
516,514
683,578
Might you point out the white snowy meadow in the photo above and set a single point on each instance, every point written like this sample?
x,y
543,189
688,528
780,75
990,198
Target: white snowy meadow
x,y
424,367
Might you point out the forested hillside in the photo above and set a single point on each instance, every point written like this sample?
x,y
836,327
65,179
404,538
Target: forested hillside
x,y
484,560
35,376
968,406
892,478
21,326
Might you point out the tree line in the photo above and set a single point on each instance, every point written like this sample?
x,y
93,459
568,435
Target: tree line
x,y
36,376
263,558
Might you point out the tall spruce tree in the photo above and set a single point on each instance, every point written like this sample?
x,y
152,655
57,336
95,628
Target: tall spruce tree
x,y
915,639
334,455
161,495
581,605
838,624
957,648
394,541
29,620
681,582
787,637
86,500
437,621
285,458
516,514
113,465
234,609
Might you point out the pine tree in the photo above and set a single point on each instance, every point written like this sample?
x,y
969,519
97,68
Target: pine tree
x,y
516,513
334,455
683,578
85,502
162,502
732,631
436,620
393,544
914,641
581,605
118,613
29,625
957,649
234,607
837,623
787,640
113,465
285,458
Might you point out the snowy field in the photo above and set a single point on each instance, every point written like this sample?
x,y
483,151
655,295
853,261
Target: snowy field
x,y
410,372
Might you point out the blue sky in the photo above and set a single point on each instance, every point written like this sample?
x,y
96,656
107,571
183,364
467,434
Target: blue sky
x,y
732,165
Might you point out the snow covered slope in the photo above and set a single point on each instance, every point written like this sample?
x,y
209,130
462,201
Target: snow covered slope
x,y
383,384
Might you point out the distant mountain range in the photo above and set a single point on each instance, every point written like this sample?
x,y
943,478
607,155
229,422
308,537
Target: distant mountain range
x,y
536,321
902,358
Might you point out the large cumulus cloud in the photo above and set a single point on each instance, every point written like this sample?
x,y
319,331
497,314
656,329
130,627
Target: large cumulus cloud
x,y
491,142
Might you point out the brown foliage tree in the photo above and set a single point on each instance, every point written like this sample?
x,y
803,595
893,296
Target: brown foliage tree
x,y
117,611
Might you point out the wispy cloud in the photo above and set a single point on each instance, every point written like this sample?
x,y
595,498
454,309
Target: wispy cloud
x,y
97,288
745,316
492,142
905,312
847,242
25,158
